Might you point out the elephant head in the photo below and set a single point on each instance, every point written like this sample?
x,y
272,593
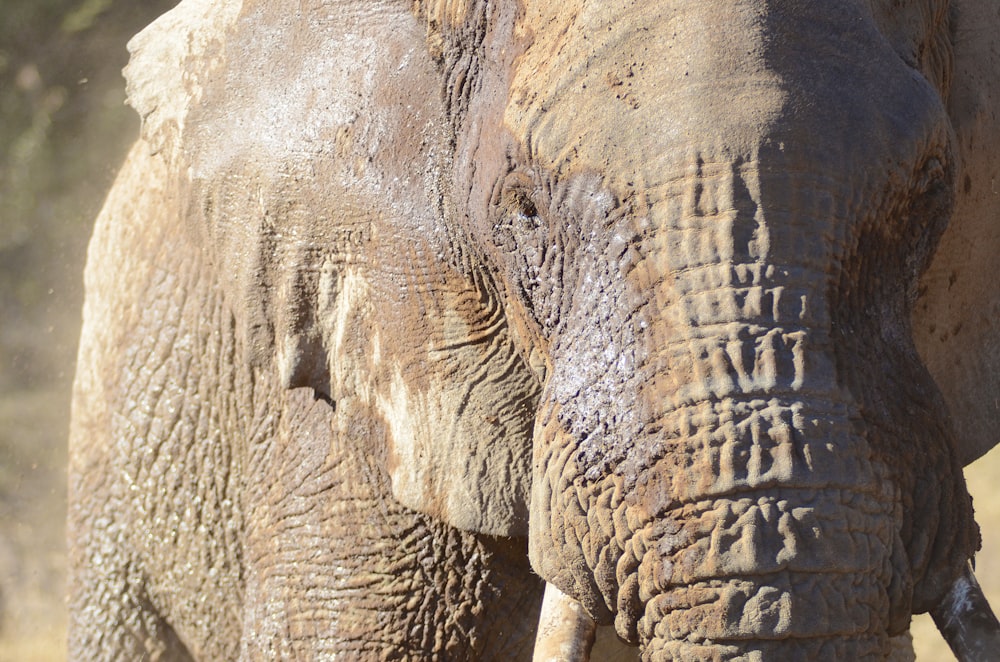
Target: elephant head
x,y
632,279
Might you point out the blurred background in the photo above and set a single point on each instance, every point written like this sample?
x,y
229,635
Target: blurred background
x,y
64,128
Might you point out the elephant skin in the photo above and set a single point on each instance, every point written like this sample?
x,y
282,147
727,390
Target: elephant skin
x,y
403,315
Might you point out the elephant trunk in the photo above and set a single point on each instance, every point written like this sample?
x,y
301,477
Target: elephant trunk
x,y
758,525
784,561
741,497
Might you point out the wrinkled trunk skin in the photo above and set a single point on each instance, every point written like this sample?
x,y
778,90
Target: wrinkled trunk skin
x,y
754,516
747,497
740,501
735,436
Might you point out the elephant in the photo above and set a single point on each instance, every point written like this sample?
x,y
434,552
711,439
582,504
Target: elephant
x,y
482,329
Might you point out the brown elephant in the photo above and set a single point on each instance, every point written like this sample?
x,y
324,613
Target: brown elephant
x,y
401,312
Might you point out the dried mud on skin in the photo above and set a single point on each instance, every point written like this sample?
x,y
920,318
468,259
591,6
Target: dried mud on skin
x,y
33,426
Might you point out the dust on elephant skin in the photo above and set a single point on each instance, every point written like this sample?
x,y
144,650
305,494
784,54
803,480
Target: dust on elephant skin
x,y
401,316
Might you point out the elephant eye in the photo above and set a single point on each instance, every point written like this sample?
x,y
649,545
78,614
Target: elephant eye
x,y
522,204
517,196
517,215
931,176
527,256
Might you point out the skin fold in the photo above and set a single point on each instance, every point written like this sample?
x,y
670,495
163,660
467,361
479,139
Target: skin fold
x,y
403,315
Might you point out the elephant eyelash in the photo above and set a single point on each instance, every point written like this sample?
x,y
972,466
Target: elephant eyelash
x,y
517,195
522,204
931,175
517,211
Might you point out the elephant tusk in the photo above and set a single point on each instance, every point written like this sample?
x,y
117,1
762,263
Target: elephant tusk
x,y
966,621
565,631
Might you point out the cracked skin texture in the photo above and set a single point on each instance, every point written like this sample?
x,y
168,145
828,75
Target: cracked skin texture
x,y
383,290
238,506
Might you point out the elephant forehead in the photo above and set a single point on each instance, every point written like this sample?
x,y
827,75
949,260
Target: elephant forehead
x,y
636,91
605,88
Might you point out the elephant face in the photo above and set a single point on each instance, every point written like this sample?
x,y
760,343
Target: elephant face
x,y
712,227
634,281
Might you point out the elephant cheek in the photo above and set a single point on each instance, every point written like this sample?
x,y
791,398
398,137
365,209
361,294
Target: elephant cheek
x,y
458,401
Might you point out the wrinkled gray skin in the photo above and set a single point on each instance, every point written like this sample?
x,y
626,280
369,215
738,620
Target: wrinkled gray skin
x,y
398,312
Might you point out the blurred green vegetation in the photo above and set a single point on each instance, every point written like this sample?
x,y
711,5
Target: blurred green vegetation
x,y
64,130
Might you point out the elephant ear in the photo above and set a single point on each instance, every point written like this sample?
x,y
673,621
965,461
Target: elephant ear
x,y
314,150
957,317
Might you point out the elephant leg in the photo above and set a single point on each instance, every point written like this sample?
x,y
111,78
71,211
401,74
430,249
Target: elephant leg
x,y
337,568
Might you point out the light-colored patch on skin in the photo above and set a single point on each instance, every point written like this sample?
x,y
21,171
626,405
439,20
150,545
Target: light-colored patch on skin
x,y
285,118
353,296
401,411
439,16
442,12
444,459
162,82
